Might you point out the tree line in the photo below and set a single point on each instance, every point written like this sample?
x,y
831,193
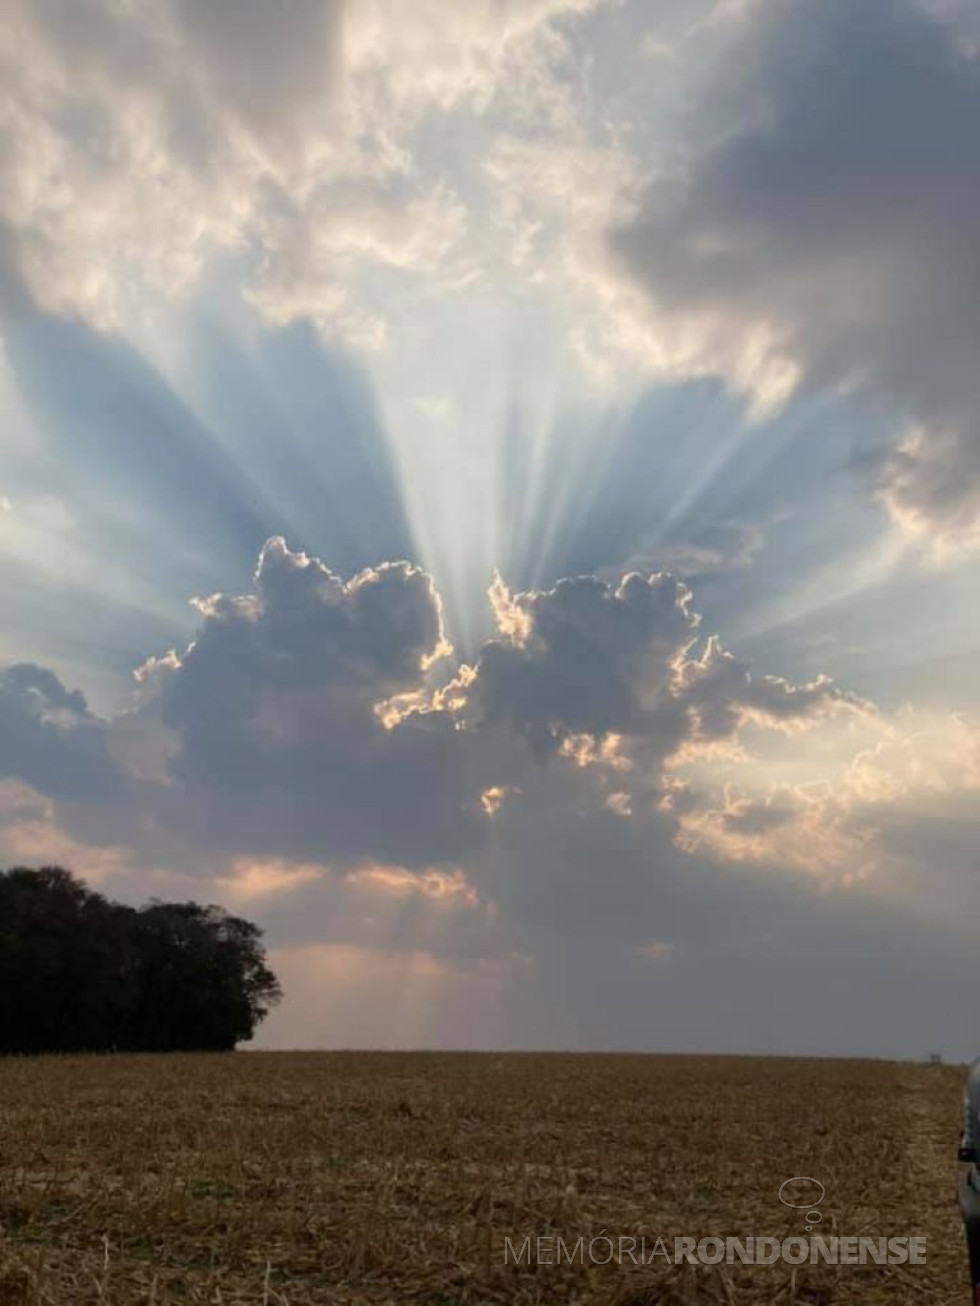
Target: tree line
x,y
79,973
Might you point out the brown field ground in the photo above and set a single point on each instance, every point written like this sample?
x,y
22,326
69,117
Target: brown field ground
x,y
301,1178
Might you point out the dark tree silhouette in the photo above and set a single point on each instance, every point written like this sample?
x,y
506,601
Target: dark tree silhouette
x,y
81,973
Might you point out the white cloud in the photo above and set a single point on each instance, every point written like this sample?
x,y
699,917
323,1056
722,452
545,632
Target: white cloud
x,y
140,143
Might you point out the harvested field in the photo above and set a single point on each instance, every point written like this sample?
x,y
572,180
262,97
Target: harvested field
x,y
302,1178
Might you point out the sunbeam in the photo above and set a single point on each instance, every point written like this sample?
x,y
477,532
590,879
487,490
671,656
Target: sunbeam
x,y
489,492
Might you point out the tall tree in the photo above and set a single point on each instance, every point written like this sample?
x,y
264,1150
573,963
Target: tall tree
x,y
80,973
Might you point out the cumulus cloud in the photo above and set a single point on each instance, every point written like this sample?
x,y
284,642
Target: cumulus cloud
x,y
316,721
816,232
278,747
593,777
325,721
596,672
721,694
582,657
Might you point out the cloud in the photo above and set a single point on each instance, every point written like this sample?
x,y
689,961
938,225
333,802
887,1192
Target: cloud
x,y
598,672
754,953
109,532
655,950
437,886
142,143
251,879
279,749
837,809
719,547
271,68
572,805
605,798
30,835
320,721
50,740
810,828
434,56
582,657
816,233
721,695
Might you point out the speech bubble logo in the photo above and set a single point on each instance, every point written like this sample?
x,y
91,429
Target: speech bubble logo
x,y
811,1202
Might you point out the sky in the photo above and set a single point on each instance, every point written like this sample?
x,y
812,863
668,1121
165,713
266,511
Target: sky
x,y
490,492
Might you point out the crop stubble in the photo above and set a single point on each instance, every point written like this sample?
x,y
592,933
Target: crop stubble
x,y
321,1178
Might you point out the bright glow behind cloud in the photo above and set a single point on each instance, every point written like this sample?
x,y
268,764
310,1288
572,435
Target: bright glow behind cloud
x,y
454,318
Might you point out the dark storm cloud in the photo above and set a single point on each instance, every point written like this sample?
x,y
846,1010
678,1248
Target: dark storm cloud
x,y
828,201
